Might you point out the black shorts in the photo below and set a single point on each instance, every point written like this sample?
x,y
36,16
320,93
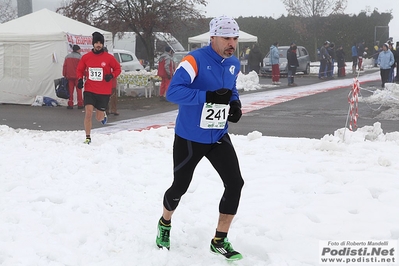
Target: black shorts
x,y
99,101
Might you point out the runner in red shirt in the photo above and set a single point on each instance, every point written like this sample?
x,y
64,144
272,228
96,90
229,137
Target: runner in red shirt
x,y
95,71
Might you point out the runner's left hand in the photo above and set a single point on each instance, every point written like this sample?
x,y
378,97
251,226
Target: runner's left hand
x,y
108,77
235,111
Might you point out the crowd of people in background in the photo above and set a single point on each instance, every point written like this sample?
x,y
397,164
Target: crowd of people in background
x,y
385,56
329,56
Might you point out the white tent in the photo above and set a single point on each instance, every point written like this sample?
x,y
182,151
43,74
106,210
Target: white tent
x,y
32,52
204,38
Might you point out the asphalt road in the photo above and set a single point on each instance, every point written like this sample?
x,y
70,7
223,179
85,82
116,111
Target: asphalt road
x,y
311,117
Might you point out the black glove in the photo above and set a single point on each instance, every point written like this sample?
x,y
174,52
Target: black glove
x,y
235,111
221,96
80,83
108,77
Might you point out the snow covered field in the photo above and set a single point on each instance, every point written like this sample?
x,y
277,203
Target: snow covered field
x,y
65,203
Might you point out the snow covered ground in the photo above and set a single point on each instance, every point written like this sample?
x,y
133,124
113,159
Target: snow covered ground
x,y
65,203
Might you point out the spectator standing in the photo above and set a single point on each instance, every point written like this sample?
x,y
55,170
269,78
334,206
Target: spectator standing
x,y
396,57
255,59
244,57
98,68
395,52
245,52
385,61
377,49
204,87
166,68
391,76
340,55
113,99
360,54
69,72
274,59
292,63
194,47
354,58
324,59
330,64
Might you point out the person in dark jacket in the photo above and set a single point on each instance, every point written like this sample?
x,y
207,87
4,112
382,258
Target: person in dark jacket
x,y
113,99
340,55
395,53
292,64
255,59
330,64
354,58
69,72
396,57
324,59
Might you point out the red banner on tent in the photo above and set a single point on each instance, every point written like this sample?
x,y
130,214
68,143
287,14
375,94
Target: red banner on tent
x,y
83,41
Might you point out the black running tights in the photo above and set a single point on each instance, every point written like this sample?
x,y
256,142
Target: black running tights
x,y
186,156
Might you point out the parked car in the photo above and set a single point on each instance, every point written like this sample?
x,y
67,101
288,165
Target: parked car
x,y
178,56
128,60
303,60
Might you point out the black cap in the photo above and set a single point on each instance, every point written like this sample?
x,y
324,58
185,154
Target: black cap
x,y
168,49
75,48
97,37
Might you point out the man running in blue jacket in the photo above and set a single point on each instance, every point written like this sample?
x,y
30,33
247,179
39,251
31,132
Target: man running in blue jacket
x,y
204,87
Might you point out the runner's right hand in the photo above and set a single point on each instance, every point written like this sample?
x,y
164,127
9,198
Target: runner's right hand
x,y
80,83
221,96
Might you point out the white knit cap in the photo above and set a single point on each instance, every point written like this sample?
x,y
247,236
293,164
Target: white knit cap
x,y
224,27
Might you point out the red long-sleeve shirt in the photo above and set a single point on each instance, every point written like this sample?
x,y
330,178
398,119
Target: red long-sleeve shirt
x,y
94,67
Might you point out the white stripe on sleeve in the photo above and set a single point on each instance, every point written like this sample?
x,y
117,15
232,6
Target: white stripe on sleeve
x,y
189,69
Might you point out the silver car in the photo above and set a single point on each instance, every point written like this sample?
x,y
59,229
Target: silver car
x,y
178,56
303,60
128,60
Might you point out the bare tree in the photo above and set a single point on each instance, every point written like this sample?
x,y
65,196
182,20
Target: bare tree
x,y
7,11
144,17
314,8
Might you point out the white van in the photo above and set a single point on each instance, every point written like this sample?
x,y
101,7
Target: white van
x,y
128,60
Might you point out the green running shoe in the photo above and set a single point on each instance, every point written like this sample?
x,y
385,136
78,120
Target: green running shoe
x,y
225,248
163,235
87,141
